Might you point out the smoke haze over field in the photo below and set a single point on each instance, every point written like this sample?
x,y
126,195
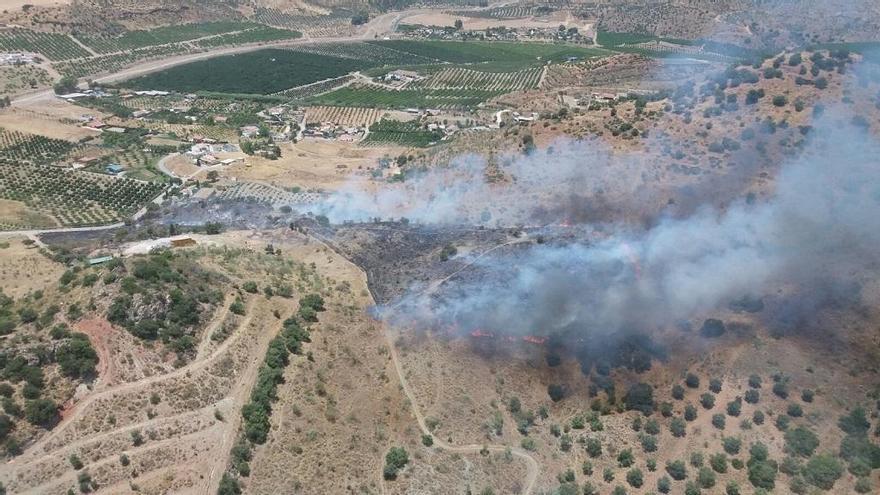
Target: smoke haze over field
x,y
820,230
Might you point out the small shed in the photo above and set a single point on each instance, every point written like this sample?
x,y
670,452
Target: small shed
x,y
114,168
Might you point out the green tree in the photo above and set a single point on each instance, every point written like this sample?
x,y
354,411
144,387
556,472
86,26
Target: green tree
x,y
634,477
823,470
395,460
676,470
77,357
801,441
41,412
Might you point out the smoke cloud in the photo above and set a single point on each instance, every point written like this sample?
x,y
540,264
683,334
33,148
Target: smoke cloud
x,y
819,231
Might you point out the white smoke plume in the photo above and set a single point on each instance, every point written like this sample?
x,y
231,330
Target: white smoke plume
x,y
821,226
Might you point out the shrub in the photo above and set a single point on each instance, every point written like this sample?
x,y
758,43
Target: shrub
x,y
75,462
864,485
762,470
752,396
782,422
801,441
136,438
587,468
677,392
718,421
696,459
41,412
652,427
640,397
706,477
593,447
677,427
676,470
780,388
712,327
734,407
758,417
608,475
250,286
790,466
795,410
732,445
732,488
556,392
690,412
625,458
427,440
780,101
649,443
715,385
692,380
754,381
395,460
77,357
807,395
707,401
666,409
229,485
634,477
718,462
822,471
664,484
860,467
124,460
855,423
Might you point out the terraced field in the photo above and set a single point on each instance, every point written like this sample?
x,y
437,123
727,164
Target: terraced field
x,y
372,96
132,40
19,147
394,132
343,115
73,198
459,77
263,72
53,46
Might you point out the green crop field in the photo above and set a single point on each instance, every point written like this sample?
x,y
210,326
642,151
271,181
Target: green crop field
x,y
167,34
73,198
472,52
19,147
385,132
53,46
261,72
376,97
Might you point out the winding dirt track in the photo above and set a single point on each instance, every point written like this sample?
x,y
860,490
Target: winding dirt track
x,y
533,468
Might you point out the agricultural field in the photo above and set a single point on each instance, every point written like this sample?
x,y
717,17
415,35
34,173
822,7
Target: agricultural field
x,y
473,52
117,61
16,79
316,88
132,40
490,81
378,54
313,25
260,34
394,132
262,72
54,46
507,12
371,96
74,198
266,194
346,116
19,147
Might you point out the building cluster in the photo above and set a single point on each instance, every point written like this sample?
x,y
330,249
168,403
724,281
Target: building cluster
x,y
17,58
